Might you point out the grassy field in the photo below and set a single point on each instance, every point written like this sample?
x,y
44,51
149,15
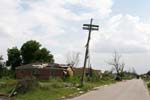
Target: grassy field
x,y
7,84
52,89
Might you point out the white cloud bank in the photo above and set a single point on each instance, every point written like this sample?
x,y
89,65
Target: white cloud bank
x,y
50,22
43,20
124,33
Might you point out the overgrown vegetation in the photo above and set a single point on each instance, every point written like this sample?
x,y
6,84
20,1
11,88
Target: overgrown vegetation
x,y
7,84
1,66
55,88
30,52
146,78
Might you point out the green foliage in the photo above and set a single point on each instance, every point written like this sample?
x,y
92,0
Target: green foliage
x,y
14,57
146,78
53,89
1,66
43,55
126,75
46,94
7,84
75,80
28,51
8,73
31,52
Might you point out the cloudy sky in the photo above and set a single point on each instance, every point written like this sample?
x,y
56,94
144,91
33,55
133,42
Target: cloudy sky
x,y
57,25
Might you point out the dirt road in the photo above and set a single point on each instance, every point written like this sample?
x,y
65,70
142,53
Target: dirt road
x,y
128,90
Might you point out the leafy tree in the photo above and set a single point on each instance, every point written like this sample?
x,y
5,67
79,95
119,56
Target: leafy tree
x,y
1,66
148,73
29,50
43,55
14,57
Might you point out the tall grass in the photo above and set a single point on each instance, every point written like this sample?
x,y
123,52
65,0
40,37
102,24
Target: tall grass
x,y
55,88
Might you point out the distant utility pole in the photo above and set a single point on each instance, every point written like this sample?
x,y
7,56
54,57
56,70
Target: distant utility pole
x,y
90,28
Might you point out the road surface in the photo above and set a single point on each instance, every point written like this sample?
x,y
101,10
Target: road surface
x,y
128,90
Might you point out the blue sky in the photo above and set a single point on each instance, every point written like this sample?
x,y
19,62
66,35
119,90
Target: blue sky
x,y
57,25
134,7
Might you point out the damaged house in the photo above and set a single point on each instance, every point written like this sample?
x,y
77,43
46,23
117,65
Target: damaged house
x,y
43,71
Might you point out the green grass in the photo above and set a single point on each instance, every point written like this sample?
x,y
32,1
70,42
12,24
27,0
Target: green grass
x,y
147,81
53,89
7,84
40,94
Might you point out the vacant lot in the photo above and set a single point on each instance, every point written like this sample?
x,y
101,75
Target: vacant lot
x,y
52,89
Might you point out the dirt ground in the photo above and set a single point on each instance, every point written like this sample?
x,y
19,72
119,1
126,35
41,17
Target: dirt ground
x,y
4,97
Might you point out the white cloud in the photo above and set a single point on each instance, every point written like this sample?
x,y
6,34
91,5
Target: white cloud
x,y
100,8
43,20
127,34
58,26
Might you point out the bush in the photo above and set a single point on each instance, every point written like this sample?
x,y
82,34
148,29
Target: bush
x,y
8,73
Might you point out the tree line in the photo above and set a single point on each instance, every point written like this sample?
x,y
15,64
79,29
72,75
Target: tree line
x,y
30,52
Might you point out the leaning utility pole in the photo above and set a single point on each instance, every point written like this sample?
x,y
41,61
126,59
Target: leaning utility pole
x,y
90,28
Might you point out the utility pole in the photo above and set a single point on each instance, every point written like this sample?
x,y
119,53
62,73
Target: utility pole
x,y
90,28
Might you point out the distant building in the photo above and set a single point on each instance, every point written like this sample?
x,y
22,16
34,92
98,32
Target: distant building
x,y
88,71
43,71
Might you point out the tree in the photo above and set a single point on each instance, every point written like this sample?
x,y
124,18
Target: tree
x,y
31,53
1,57
148,73
72,58
117,65
14,57
28,51
1,66
43,55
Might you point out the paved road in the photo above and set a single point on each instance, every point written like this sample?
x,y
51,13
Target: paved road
x,y
127,90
